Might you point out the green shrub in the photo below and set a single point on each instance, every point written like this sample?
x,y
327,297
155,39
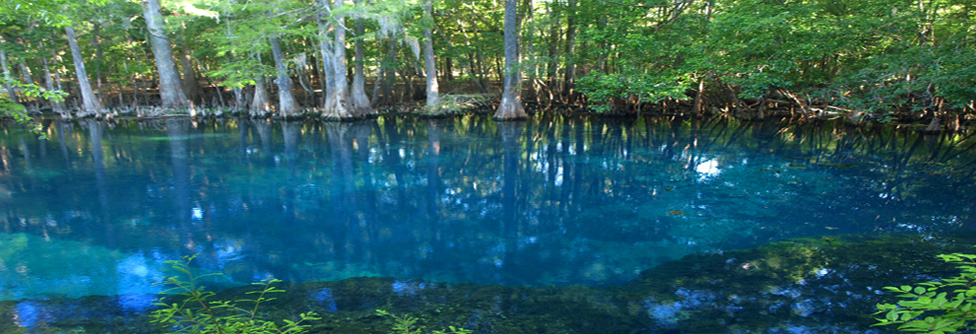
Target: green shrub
x,y
942,306
12,109
194,312
407,324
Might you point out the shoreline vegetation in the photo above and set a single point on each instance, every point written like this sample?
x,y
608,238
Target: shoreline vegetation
x,y
480,105
905,62
791,109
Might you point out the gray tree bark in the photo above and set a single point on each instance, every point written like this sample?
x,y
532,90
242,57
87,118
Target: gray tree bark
x,y
325,49
339,108
431,65
358,98
379,78
239,99
170,85
49,85
389,72
552,64
89,102
260,107
7,75
28,78
287,106
511,106
99,56
191,88
529,52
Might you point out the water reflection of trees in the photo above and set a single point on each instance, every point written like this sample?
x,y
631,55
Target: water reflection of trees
x,y
556,200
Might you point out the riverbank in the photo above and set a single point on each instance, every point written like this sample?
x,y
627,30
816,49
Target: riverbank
x,y
468,105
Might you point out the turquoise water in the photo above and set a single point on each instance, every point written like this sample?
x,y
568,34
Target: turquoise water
x,y
97,208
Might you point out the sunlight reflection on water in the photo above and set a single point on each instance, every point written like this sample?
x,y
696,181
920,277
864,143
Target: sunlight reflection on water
x,y
572,202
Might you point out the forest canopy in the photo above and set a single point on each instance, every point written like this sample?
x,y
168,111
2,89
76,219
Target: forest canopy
x,y
343,59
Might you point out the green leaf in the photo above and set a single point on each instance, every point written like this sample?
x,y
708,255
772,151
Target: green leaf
x,y
892,316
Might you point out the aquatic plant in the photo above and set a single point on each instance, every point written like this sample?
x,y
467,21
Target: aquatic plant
x,y
407,324
194,312
943,306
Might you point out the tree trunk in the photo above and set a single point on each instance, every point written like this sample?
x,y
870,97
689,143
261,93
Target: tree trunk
x,y
325,49
287,106
7,76
698,96
170,90
511,106
480,66
304,72
570,79
89,102
145,89
26,74
49,85
191,88
239,99
389,75
360,102
220,96
260,107
431,64
99,57
935,125
374,100
339,108
448,69
406,73
119,90
553,63
529,52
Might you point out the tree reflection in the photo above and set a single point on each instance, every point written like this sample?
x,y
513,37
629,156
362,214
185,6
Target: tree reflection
x,y
552,201
179,152
291,132
343,216
98,157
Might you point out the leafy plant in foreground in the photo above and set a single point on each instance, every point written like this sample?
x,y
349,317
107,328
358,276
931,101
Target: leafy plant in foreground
x,y
942,306
407,324
194,312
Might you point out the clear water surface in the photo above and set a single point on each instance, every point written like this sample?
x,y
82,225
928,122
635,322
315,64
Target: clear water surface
x,y
97,208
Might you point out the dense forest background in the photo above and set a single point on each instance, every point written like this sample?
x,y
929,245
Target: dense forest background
x,y
905,60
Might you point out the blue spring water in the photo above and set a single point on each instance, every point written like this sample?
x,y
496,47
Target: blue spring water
x,y
97,209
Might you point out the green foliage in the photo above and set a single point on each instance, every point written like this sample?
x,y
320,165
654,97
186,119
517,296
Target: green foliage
x,y
407,324
642,87
872,55
944,306
18,112
921,73
11,108
32,90
195,312
879,56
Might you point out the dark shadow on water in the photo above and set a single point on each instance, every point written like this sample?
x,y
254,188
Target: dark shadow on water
x,y
555,224
797,286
